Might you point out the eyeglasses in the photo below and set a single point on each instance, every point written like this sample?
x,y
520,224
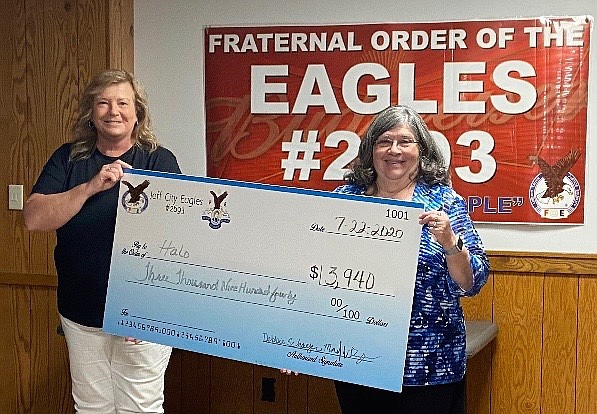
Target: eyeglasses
x,y
387,143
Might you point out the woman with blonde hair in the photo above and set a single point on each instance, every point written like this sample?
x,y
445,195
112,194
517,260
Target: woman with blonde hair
x,y
76,195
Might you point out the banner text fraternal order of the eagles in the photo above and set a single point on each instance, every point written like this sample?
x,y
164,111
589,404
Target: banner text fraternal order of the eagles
x,y
506,101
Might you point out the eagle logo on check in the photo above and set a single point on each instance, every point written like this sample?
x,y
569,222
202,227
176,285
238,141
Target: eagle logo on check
x,y
134,200
216,214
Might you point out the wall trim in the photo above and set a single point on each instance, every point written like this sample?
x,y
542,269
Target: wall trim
x,y
500,261
540,262
28,279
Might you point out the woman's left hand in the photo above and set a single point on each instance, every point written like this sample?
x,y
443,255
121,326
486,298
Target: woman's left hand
x,y
439,226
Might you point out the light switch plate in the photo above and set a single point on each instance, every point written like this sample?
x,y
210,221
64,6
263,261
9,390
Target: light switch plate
x,y
15,197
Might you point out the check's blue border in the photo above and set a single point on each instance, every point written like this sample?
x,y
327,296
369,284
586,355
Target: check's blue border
x,y
279,188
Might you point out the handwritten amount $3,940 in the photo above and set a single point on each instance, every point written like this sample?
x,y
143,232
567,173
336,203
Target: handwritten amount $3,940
x,y
334,277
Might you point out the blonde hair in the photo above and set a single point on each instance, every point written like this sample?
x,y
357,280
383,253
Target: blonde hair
x,y
84,133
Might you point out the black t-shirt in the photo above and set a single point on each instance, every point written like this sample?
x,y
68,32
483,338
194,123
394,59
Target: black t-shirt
x,y
84,244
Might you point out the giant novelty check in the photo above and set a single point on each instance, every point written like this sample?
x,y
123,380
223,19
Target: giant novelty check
x,y
316,282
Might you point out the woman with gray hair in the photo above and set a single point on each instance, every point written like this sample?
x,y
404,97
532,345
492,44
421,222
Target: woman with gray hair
x,y
399,159
76,195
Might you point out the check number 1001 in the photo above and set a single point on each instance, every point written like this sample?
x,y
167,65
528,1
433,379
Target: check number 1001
x,y
397,214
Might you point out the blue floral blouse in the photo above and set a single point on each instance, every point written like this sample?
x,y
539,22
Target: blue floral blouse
x,y
436,342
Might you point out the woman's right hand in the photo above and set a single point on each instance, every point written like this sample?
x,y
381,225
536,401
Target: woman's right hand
x,y
108,176
44,212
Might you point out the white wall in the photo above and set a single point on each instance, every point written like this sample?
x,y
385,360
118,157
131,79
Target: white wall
x,y
169,63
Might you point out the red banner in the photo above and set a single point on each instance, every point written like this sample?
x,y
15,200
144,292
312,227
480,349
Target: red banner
x,y
505,99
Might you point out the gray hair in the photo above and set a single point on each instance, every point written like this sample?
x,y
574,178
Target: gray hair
x,y
432,166
84,133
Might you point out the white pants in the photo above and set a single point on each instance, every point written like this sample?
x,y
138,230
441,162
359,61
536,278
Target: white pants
x,y
112,376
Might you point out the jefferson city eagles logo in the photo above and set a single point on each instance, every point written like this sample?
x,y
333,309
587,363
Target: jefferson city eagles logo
x,y
135,200
216,215
555,192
